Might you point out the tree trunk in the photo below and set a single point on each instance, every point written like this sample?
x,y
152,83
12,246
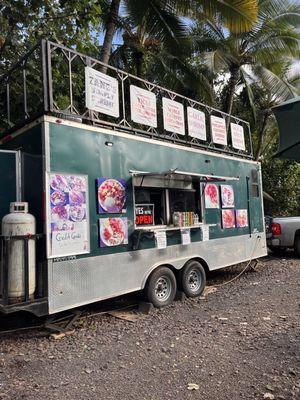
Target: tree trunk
x,y
139,60
261,135
109,33
233,80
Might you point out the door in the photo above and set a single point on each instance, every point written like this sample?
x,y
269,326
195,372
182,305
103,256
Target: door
x,y
9,180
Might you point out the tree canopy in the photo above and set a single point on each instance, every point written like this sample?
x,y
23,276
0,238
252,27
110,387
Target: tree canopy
x,y
237,55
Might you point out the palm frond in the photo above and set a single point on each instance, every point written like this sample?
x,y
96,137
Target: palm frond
x,y
237,15
160,21
246,80
213,61
274,12
276,85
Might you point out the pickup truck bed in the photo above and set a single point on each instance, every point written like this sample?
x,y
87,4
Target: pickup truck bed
x,y
284,233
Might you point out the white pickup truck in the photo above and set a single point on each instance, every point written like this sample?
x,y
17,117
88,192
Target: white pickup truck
x,y
283,233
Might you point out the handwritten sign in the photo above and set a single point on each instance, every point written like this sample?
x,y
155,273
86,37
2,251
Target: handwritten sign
x,y
143,106
237,136
218,130
196,123
144,214
101,92
160,239
173,116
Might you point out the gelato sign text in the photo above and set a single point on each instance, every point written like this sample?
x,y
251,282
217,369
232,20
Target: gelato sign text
x,y
67,236
101,92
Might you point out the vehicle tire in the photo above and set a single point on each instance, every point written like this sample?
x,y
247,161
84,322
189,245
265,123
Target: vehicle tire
x,y
297,246
192,278
161,287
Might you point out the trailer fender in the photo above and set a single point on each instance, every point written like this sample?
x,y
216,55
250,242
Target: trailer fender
x,y
175,265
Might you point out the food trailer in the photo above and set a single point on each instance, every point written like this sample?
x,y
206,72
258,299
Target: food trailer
x,y
132,186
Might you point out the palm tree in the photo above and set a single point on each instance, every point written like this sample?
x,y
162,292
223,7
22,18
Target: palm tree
x,y
246,57
238,15
111,24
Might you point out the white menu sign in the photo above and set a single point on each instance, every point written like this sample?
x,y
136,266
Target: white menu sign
x,y
68,215
196,123
205,232
101,92
173,116
218,130
161,239
143,106
185,236
237,136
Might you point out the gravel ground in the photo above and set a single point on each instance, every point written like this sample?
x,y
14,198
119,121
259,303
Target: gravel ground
x,y
239,342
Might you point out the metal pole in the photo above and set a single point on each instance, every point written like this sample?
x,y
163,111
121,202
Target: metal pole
x,y
44,75
5,270
26,269
248,205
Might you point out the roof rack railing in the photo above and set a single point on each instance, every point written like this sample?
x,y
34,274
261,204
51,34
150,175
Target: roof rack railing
x,y
53,79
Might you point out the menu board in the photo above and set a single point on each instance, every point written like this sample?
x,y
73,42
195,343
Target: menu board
x,y
237,136
196,123
143,106
218,130
101,92
173,116
68,232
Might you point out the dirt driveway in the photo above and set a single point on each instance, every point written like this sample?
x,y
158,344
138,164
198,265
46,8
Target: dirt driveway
x,y
240,342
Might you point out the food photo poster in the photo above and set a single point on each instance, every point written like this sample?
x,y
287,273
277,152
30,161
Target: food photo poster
x,y
227,196
211,196
111,195
113,231
68,198
241,218
228,219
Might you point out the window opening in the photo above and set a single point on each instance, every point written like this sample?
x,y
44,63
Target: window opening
x,y
254,183
168,202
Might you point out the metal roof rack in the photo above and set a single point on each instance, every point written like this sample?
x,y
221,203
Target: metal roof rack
x,y
50,79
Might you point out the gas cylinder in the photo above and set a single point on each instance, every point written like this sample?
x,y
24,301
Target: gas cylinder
x,y
19,223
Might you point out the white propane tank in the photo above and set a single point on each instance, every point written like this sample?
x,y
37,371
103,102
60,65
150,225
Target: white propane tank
x,y
19,223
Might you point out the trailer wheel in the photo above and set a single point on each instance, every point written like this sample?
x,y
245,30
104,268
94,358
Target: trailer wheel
x,y
161,287
192,278
297,246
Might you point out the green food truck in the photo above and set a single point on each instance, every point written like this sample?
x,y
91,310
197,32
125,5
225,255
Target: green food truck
x,y
116,185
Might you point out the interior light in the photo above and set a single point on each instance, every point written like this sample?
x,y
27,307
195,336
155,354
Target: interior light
x,y
109,144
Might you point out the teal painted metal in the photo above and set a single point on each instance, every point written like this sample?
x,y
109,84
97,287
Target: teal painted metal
x,y
8,180
30,145
78,150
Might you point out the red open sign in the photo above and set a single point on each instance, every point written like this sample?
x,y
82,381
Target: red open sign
x,y
144,214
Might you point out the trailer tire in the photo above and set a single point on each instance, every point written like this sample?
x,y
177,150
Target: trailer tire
x,y
297,246
161,287
192,278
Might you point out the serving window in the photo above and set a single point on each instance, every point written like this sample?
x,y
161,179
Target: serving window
x,y
175,201
151,196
